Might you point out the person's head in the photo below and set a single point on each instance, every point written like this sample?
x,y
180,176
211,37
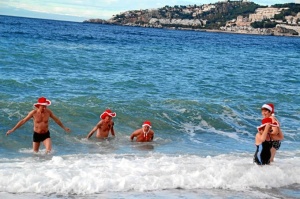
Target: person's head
x,y
146,126
267,110
107,118
42,104
41,108
107,115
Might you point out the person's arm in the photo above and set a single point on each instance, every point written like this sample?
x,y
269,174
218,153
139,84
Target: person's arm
x,y
112,129
21,122
134,134
152,136
278,136
93,130
259,138
275,129
58,122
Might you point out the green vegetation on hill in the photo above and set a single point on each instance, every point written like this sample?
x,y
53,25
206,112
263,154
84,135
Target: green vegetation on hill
x,y
267,23
214,17
226,11
293,10
207,16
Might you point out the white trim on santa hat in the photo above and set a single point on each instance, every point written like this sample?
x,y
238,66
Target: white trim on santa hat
x,y
267,106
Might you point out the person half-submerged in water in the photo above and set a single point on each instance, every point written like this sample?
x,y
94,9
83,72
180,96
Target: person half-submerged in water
x,y
268,111
263,142
144,134
104,126
40,117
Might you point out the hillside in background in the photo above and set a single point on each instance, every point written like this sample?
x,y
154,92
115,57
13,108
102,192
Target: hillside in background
x,y
217,16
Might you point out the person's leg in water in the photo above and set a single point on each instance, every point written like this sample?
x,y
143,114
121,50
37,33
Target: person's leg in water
x,y
48,145
36,146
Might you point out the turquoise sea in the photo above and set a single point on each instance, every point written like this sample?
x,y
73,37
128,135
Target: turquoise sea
x,y
201,91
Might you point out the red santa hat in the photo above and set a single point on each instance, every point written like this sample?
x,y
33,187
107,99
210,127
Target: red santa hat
x,y
266,121
107,112
42,101
269,107
147,123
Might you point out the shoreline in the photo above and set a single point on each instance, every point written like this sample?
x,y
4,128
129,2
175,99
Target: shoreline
x,y
198,30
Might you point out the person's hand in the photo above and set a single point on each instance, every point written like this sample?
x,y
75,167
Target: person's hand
x,y
9,132
67,130
268,125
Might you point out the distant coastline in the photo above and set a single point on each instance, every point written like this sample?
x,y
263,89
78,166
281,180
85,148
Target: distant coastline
x,y
242,17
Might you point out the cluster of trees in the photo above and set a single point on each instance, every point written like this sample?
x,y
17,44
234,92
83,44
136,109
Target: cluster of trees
x,y
228,11
264,24
293,10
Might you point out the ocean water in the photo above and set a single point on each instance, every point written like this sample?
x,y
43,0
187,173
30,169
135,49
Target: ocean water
x,y
202,92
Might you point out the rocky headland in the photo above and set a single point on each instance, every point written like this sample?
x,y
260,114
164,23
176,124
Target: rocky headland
x,y
227,16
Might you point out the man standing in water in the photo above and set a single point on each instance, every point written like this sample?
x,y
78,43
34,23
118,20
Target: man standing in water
x,y
40,117
144,134
104,126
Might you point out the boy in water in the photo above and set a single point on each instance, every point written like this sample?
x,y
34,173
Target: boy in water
x,y
40,117
144,134
104,126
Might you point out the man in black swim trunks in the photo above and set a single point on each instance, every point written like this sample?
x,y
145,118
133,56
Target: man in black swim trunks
x,y
40,117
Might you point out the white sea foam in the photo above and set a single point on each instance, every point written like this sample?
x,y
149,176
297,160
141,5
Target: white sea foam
x,y
91,174
204,126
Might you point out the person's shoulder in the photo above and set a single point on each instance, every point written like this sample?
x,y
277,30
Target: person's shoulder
x,y
138,131
32,112
274,120
100,123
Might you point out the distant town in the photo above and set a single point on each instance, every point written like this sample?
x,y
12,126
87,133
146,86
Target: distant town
x,y
227,16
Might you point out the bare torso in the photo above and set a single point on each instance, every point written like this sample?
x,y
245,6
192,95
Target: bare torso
x,y
41,121
104,128
141,137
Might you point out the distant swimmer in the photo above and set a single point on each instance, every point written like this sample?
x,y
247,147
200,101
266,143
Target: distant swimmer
x,y
40,117
144,134
104,126
268,111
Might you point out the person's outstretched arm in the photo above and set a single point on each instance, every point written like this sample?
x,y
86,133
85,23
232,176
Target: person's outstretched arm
x,y
21,122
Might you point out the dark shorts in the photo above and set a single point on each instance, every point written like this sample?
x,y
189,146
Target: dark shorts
x,y
40,137
276,144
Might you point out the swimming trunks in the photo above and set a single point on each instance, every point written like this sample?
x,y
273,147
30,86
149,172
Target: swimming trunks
x,y
263,153
276,144
40,137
